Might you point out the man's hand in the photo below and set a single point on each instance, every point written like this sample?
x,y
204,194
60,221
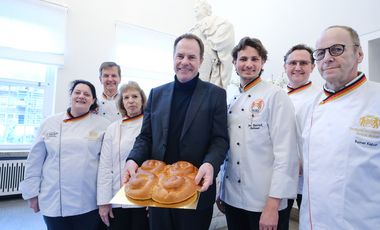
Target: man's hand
x,y
33,204
105,211
269,216
205,176
130,169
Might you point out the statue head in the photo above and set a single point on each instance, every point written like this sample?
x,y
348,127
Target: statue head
x,y
202,9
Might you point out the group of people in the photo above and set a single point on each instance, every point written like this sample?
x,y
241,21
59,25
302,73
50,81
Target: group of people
x,y
268,144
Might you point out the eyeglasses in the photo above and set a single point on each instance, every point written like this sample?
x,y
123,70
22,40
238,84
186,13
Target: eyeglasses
x,y
301,63
334,50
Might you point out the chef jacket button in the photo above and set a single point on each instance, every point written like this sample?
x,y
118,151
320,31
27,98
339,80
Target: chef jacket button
x,y
104,113
103,103
238,162
226,177
118,113
242,109
239,181
249,95
235,98
229,111
238,143
239,126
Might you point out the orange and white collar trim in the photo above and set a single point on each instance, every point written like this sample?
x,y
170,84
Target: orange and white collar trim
x,y
361,79
72,118
250,84
129,119
292,90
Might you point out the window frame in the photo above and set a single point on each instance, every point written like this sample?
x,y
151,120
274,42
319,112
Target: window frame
x,y
48,100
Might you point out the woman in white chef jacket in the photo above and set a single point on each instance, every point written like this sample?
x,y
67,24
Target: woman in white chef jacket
x,y
118,141
260,171
61,169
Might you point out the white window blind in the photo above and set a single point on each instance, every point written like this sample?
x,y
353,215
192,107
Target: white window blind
x,y
31,50
145,55
32,30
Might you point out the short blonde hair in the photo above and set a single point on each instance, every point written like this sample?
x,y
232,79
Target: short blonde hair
x,y
125,87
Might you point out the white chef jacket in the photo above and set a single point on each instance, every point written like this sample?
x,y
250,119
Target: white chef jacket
x,y
261,161
62,165
118,142
341,151
301,96
108,107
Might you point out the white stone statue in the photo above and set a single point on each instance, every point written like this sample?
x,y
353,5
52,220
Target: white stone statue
x,y
218,37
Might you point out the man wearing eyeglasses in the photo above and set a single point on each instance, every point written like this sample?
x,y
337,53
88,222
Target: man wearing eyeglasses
x,y
341,140
298,65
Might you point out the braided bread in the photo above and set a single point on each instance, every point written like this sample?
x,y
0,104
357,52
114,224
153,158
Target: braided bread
x,y
165,184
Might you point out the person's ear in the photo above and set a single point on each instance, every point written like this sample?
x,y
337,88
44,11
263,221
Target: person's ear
x,y
360,54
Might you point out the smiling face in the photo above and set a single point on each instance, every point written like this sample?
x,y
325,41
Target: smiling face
x,y
81,99
132,102
338,70
248,64
298,67
187,59
110,80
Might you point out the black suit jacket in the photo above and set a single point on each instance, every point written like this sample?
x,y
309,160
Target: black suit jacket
x,y
204,136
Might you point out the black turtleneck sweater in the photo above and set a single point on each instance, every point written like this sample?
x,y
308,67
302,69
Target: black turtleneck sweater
x,y
180,102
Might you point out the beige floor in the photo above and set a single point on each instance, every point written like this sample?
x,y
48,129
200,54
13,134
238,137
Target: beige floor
x,y
15,215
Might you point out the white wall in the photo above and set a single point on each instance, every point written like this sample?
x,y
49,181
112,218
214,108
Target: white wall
x,y
280,24
91,33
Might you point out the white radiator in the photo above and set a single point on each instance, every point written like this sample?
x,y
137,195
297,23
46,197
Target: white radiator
x,y
11,173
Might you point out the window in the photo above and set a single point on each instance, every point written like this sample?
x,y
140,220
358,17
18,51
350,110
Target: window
x,y
145,55
24,90
31,51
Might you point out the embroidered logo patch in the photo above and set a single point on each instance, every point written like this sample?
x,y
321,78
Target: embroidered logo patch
x,y
93,135
257,106
367,127
370,122
51,134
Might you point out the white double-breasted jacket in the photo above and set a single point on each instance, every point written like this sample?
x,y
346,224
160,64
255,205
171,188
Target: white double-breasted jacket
x,y
62,165
118,142
341,153
263,158
108,107
302,96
